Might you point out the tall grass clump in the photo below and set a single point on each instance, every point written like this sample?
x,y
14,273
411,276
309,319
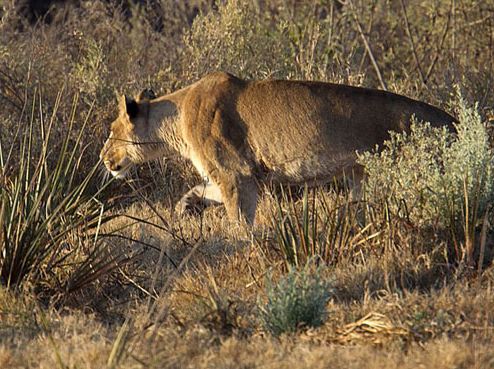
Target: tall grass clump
x,y
326,227
298,300
435,177
51,212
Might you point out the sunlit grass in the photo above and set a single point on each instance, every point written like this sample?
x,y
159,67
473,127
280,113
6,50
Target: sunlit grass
x,y
51,214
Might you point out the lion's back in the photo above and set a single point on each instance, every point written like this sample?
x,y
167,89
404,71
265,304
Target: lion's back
x,y
302,130
298,130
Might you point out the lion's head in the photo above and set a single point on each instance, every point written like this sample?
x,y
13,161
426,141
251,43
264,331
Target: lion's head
x,y
133,137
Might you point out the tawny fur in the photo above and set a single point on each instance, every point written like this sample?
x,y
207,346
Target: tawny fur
x,y
240,134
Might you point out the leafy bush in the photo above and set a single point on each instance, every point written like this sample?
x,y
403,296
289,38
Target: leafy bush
x,y
90,72
236,38
436,177
410,168
298,300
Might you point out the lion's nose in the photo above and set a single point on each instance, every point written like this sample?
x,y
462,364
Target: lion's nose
x,y
115,167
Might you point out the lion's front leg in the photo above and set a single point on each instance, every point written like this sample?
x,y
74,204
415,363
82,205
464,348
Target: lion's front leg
x,y
240,198
198,198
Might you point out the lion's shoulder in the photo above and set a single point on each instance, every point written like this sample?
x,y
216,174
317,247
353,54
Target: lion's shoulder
x,y
217,84
220,76
217,90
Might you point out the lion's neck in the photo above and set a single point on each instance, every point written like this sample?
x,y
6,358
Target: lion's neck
x,y
164,121
169,132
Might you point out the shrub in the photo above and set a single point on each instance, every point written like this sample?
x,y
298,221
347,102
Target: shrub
x,y
437,177
409,168
238,39
298,300
89,72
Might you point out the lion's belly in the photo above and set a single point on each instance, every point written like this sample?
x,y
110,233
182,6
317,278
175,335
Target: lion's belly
x,y
321,167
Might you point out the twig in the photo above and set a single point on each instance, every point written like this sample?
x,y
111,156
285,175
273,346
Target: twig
x,y
440,48
367,47
412,43
369,29
453,36
137,285
166,227
153,247
483,240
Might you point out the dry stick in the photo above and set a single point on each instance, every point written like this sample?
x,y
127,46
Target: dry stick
x,y
440,49
491,54
154,309
369,30
166,226
412,43
6,81
483,240
364,56
367,47
453,36
160,312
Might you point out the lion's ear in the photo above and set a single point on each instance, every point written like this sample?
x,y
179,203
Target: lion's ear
x,y
146,94
129,106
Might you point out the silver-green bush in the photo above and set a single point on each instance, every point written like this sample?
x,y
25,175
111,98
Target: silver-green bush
x,y
298,300
437,176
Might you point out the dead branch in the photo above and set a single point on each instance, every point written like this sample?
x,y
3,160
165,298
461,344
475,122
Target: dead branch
x,y
412,43
367,46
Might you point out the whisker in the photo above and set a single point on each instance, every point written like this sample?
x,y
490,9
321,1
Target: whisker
x,y
103,174
130,142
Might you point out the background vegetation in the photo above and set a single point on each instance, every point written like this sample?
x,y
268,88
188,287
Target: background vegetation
x,y
103,274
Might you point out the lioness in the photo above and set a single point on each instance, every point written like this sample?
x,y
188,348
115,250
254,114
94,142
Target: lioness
x,y
240,134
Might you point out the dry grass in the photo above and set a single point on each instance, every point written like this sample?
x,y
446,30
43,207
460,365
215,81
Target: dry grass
x,y
210,321
204,313
190,296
